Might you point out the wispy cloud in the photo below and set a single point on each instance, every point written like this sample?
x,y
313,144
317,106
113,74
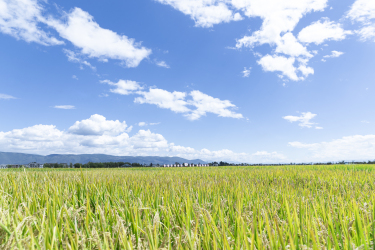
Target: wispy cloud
x,y
64,107
334,54
75,57
246,72
303,120
162,64
6,97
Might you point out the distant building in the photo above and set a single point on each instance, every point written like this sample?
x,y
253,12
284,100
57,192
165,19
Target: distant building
x,y
3,166
34,165
126,166
14,166
215,164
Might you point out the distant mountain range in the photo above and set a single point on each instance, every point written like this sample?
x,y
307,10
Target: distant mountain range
x,y
20,158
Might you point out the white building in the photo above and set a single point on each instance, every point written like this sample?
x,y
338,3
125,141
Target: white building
x,y
34,165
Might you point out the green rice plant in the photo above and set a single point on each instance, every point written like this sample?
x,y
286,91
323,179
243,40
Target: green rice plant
x,y
259,207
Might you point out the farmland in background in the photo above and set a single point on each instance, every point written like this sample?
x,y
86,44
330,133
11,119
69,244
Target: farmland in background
x,y
265,207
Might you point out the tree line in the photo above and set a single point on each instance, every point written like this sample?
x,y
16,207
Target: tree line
x,y
221,163
93,165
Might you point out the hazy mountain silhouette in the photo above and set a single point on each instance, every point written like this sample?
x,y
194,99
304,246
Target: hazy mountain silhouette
x,y
20,158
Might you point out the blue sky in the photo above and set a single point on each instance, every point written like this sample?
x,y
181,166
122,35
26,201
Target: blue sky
x,y
234,80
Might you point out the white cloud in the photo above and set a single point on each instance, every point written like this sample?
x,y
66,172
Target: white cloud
x,y
64,107
205,13
246,72
303,120
279,21
278,17
319,32
289,45
364,121
334,54
142,124
98,135
265,156
174,101
356,147
95,41
279,63
22,19
123,87
363,11
317,127
74,57
6,97
162,64
147,139
178,102
367,32
208,104
75,77
97,125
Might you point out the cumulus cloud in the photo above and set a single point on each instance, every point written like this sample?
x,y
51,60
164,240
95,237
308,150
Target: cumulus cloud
x,y
99,135
319,32
98,125
22,19
285,66
356,147
246,72
363,11
123,87
64,107
6,97
178,102
174,101
205,13
142,124
268,156
303,120
279,19
207,104
96,42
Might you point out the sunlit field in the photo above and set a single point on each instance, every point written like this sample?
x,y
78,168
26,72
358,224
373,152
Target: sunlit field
x,y
284,207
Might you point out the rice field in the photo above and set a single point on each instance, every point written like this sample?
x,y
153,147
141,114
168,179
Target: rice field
x,y
283,207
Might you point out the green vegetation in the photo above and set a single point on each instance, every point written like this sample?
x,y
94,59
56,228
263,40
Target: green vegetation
x,y
268,207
